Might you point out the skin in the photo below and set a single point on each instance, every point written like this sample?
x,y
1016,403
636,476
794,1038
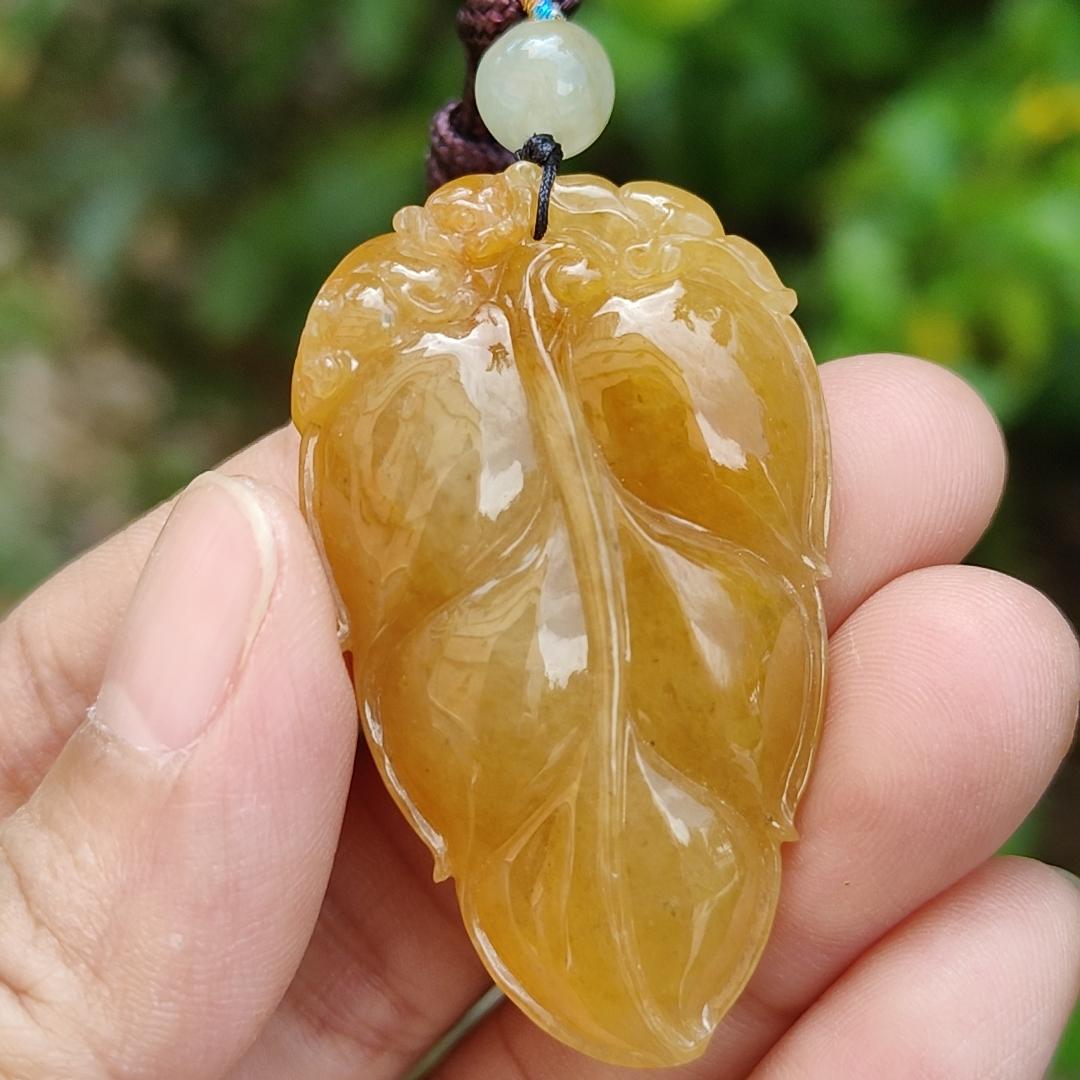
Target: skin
x,y
204,878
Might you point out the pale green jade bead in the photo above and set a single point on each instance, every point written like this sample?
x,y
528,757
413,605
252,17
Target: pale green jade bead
x,y
546,77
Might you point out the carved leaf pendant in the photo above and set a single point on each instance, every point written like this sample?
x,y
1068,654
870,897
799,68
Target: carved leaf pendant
x,y
573,496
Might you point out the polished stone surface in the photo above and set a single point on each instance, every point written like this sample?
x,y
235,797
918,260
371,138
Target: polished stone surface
x,y
573,495
546,77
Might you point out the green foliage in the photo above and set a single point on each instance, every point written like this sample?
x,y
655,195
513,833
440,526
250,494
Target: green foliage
x,y
673,15
1067,1065
963,194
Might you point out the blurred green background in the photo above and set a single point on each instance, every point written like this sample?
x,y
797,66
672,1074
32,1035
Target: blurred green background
x,y
177,178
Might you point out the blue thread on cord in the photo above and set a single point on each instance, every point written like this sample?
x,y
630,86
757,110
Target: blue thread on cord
x,y
546,9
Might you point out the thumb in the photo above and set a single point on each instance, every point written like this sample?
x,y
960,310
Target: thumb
x,y
158,890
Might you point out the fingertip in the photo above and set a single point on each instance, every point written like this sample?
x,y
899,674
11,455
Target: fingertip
x,y
200,602
291,722
1041,904
961,671
1008,640
1040,634
274,458
55,646
919,468
949,403
313,615
985,973
1022,876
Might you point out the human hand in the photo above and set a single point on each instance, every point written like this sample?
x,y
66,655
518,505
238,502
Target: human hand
x,y
163,863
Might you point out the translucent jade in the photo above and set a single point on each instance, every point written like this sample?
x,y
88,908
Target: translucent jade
x,y
573,495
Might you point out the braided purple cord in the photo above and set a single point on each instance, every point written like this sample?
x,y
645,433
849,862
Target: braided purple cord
x,y
460,143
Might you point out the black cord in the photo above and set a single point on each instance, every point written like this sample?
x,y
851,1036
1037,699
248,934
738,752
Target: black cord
x,y
544,151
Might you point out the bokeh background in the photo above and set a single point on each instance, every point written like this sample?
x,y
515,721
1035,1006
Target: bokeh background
x,y
177,177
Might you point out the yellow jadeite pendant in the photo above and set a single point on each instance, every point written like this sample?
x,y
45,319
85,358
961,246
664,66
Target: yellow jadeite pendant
x,y
573,494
